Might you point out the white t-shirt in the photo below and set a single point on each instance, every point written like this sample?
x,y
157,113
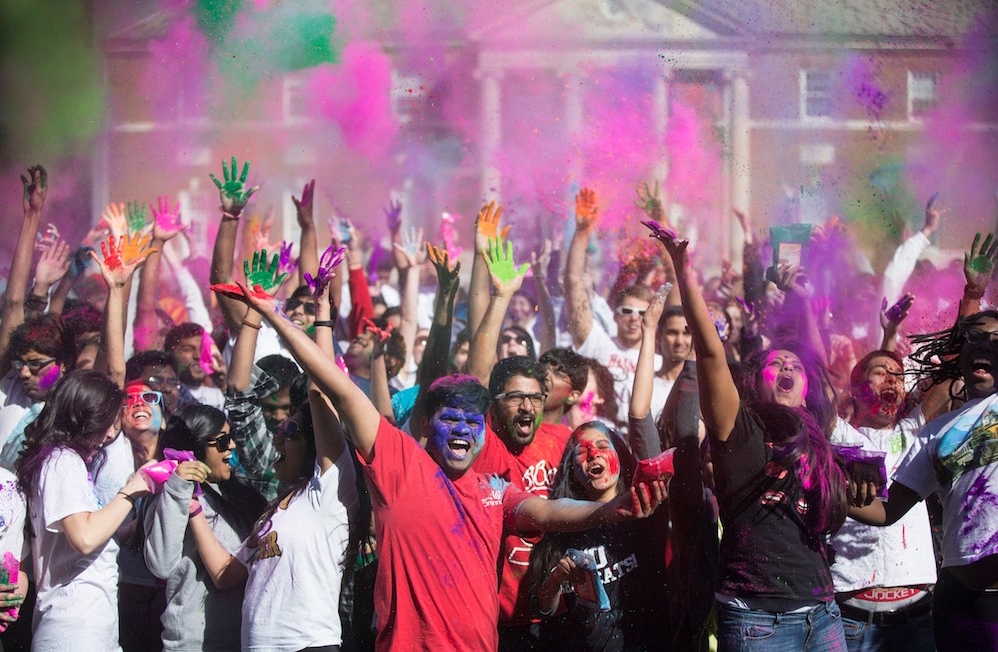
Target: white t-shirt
x,y
207,395
659,395
77,604
897,555
620,361
970,509
292,592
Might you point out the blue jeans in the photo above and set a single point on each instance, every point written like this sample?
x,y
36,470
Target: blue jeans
x,y
914,635
817,630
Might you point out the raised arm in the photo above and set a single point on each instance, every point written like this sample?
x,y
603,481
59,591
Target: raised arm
x,y
580,314
35,190
569,515
486,229
545,306
233,194
978,268
436,356
408,253
718,394
53,265
506,279
644,373
166,225
308,242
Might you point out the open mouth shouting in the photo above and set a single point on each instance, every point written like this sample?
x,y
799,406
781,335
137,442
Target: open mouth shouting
x,y
786,382
460,448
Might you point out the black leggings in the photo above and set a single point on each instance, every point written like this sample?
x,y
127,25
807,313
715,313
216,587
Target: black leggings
x,y
963,618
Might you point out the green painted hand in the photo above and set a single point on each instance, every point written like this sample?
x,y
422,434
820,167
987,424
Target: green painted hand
x,y
979,262
499,259
233,192
135,214
269,279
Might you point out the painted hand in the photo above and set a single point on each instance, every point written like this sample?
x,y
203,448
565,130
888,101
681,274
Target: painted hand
x,y
393,216
979,263
135,216
303,206
233,192
893,316
448,233
36,187
260,277
409,253
673,245
487,225
134,248
116,218
649,201
381,334
506,277
447,276
285,264
330,260
586,208
641,501
261,235
165,222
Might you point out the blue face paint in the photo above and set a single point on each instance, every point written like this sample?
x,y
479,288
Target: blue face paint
x,y
455,438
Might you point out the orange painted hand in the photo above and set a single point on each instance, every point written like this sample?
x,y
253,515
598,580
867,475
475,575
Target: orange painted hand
x,y
134,247
487,225
586,209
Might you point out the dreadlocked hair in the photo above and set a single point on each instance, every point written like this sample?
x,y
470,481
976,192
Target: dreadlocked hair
x,y
938,354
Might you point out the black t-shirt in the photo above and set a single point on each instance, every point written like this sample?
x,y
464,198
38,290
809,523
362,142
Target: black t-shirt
x,y
769,558
630,561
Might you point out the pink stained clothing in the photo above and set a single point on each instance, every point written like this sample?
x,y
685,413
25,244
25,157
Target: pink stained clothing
x,y
535,470
438,541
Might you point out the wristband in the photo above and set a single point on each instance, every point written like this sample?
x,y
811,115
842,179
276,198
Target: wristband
x,y
196,512
968,293
328,323
255,327
127,497
227,216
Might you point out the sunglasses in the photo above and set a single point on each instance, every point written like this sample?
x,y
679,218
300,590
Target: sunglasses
x,y
291,304
220,441
627,311
975,336
34,366
146,397
287,431
158,382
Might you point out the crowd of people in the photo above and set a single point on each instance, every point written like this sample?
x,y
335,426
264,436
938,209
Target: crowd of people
x,y
351,449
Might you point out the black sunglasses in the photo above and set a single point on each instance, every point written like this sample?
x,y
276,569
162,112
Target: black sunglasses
x,y
220,441
291,304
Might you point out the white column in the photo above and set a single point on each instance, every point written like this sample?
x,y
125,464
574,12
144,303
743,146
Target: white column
x,y
740,135
491,83
574,115
660,105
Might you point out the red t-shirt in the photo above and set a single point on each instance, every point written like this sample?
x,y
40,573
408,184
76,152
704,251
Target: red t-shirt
x,y
534,470
438,541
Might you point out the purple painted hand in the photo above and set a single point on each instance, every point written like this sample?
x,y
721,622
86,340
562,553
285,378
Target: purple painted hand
x,y
331,258
393,216
284,263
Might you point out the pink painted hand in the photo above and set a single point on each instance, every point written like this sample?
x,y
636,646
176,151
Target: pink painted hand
x,y
303,206
393,216
166,222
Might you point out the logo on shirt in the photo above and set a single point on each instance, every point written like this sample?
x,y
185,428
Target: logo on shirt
x,y
612,572
267,547
539,477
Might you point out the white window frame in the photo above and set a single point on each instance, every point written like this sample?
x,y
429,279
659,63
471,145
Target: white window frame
x,y
293,92
805,95
914,77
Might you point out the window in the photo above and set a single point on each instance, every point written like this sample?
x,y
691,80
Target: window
x,y
815,94
923,93
408,95
295,98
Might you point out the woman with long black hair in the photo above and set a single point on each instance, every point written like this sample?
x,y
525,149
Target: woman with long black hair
x,y
198,616
779,489
72,545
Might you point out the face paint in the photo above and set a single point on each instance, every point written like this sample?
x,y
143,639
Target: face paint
x,y
597,465
456,438
49,377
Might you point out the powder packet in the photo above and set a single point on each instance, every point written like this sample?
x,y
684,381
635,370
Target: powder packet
x,y
590,588
659,467
864,466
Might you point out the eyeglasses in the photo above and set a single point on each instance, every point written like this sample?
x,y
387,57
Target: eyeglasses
x,y
291,304
513,339
147,397
161,383
627,311
286,431
34,366
975,336
516,399
220,441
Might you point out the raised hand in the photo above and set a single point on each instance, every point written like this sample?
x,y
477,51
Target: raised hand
x,y
79,260
260,277
233,193
329,261
303,206
393,216
499,259
487,225
52,264
113,267
116,218
134,246
649,201
261,235
447,276
539,261
382,335
673,245
36,187
893,316
135,216
165,222
932,215
979,263
409,253
284,264
641,501
586,208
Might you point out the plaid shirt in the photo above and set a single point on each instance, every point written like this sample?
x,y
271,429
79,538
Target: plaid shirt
x,y
256,450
